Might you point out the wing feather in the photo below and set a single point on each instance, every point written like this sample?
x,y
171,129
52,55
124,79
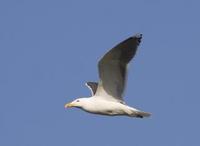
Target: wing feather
x,y
92,86
113,68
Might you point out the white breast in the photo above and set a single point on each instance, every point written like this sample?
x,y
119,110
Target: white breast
x,y
99,106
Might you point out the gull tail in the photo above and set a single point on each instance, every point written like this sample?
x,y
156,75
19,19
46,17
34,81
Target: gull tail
x,y
139,114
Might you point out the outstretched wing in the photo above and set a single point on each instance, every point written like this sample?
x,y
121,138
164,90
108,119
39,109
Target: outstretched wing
x,y
92,86
112,69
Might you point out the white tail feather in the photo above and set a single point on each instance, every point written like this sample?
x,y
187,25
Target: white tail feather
x,y
139,114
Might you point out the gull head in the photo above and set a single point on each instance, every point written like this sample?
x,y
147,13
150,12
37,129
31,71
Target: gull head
x,y
79,102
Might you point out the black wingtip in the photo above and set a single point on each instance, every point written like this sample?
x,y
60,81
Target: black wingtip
x,y
138,36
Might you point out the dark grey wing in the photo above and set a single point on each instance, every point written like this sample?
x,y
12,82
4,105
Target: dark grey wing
x,y
92,86
112,68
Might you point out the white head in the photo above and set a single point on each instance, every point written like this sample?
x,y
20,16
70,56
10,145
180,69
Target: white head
x,y
79,102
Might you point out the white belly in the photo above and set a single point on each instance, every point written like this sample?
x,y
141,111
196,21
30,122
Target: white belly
x,y
107,108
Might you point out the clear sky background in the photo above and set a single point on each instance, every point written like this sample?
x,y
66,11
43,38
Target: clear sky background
x,y
49,49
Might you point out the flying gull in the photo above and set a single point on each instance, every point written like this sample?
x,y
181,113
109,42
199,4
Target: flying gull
x,y
107,94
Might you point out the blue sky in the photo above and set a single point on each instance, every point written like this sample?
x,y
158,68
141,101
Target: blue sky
x,y
49,49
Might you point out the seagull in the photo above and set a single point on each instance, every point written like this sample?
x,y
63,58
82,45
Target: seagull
x,y
107,94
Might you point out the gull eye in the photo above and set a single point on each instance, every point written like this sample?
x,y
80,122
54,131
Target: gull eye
x,y
77,101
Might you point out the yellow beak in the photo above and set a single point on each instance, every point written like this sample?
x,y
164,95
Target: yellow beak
x,y
68,105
